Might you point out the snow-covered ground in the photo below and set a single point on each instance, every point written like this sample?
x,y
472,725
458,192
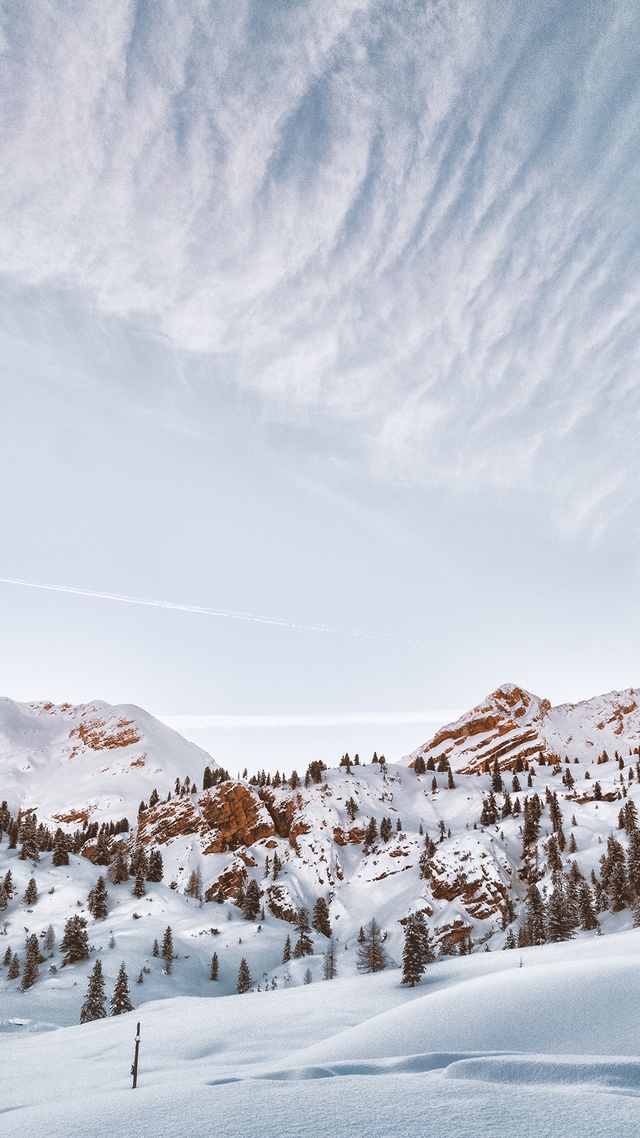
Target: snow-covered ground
x,y
538,1042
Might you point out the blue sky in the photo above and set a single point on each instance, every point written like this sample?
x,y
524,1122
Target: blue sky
x,y
325,313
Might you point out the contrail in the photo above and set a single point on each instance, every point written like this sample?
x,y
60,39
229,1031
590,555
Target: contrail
x,y
229,614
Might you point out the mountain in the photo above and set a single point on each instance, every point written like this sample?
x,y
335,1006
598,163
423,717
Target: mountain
x,y
88,763
514,796
512,723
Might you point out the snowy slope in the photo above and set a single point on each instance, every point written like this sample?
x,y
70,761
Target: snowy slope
x,y
94,761
481,1046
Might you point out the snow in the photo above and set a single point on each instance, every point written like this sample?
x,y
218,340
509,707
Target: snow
x,y
481,1046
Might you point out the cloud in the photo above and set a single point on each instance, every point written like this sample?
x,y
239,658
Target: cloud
x,y
417,221
225,614
347,719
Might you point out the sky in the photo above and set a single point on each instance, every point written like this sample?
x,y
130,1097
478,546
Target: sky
x,y
325,315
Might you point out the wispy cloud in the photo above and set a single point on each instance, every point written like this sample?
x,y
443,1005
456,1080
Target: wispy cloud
x,y
347,719
417,219
199,610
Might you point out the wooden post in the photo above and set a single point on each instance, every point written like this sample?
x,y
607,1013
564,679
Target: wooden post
x,y
134,1069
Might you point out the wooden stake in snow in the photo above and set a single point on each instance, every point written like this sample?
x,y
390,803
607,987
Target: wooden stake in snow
x,y
134,1069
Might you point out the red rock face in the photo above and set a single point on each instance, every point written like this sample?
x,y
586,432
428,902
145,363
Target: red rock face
x,y
236,814
99,735
228,884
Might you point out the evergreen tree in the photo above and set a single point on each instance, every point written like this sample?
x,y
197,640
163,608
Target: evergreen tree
x,y
14,968
194,884
496,778
559,917
28,833
103,849
167,949
417,950
371,955
138,863
4,897
8,884
139,887
119,868
385,829
213,974
93,1006
75,941
419,765
510,940
156,949
31,892
534,916
588,919
120,1001
371,832
50,939
329,963
30,970
97,900
244,978
251,906
156,868
60,848
304,943
320,917
286,955
7,957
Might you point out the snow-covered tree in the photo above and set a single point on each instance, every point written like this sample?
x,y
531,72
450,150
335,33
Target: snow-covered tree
x,y
75,942
121,1001
97,900
244,978
320,917
94,1001
304,943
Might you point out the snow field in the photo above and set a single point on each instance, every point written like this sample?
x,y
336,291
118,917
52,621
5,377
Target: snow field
x,y
481,1046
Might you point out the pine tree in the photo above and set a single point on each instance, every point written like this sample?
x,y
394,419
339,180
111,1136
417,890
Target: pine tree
x,y
156,949
417,950
510,940
119,868
60,848
4,898
7,957
194,884
120,1001
103,849
304,943
286,955
167,949
30,970
97,900
320,917
371,832
29,850
14,968
93,1006
50,939
588,919
251,906
329,963
534,916
244,978
371,955
213,974
139,887
75,941
8,884
559,917
138,863
156,868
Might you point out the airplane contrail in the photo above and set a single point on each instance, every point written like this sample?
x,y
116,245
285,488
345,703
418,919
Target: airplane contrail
x,y
229,614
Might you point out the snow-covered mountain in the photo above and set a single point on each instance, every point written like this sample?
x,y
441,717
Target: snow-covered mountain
x,y
92,762
442,832
512,723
